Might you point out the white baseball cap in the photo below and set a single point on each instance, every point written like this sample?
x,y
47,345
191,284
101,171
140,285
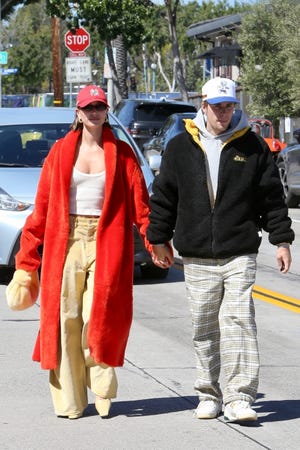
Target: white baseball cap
x,y
218,90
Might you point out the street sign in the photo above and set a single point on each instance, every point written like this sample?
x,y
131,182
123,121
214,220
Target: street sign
x,y
77,40
8,71
78,70
3,56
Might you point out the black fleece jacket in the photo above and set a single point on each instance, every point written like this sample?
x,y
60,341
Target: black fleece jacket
x,y
249,198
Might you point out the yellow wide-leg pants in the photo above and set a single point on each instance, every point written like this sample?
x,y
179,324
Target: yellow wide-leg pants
x,y
76,370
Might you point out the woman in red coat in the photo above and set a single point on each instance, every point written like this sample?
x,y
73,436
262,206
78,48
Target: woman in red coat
x,y
91,192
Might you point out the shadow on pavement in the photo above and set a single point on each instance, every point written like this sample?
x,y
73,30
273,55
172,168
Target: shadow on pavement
x,y
174,276
148,406
278,410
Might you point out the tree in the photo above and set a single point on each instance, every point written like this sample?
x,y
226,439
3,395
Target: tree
x,y
161,40
120,21
27,37
271,65
171,8
7,6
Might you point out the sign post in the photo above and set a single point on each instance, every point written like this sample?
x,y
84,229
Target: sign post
x,y
78,66
3,60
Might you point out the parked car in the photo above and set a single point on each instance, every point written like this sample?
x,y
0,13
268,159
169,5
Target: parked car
x,y
288,162
296,135
172,126
265,129
26,135
144,117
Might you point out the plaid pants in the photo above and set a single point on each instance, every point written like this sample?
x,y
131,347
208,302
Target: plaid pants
x,y
224,329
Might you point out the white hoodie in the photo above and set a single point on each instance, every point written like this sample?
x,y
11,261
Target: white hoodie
x,y
213,145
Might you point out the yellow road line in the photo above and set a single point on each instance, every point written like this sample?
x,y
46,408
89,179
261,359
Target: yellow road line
x,y
291,303
260,293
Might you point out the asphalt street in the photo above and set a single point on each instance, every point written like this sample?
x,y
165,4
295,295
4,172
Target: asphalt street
x,y
155,403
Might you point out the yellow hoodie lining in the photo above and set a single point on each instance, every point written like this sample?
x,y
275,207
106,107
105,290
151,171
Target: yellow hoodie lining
x,y
193,130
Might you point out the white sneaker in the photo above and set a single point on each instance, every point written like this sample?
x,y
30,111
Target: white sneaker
x,y
238,411
208,409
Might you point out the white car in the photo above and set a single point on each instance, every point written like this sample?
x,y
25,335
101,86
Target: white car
x,y
26,135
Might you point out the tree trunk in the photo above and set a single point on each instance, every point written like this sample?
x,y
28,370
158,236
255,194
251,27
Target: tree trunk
x,y
112,66
178,69
118,67
121,65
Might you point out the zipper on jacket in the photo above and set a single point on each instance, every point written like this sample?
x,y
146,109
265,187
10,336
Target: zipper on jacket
x,y
212,231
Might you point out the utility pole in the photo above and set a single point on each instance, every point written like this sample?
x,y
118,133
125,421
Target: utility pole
x,y
57,73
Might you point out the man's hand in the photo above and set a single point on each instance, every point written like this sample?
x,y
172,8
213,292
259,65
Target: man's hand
x,y
284,258
162,256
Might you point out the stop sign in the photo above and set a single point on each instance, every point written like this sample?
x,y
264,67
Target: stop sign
x,y
77,40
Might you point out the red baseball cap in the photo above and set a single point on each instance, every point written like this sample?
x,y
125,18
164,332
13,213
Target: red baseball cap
x,y
91,94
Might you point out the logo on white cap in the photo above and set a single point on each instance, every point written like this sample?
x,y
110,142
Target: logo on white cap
x,y
223,88
219,90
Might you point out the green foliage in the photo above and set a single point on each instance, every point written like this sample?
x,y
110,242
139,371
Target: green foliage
x,y
158,40
117,17
110,18
27,37
58,8
269,38
194,12
7,6
270,66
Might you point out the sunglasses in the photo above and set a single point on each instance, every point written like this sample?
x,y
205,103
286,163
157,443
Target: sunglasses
x,y
98,107
221,107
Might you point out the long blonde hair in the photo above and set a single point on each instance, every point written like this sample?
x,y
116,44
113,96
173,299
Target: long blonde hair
x,y
76,124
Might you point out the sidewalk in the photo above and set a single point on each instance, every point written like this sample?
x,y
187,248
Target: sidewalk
x,y
149,413
155,404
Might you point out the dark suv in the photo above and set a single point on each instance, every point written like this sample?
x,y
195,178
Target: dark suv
x,y
143,117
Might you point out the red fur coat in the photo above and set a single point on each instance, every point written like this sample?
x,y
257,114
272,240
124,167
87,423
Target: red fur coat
x,y
126,203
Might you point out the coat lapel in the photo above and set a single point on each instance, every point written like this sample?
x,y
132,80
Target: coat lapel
x,y
110,154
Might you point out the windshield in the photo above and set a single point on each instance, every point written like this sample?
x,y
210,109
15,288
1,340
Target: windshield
x,y
28,145
159,112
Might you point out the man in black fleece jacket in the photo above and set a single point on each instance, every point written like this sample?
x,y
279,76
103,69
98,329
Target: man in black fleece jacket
x,y
217,189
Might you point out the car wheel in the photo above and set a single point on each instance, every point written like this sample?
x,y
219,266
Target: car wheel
x,y
151,271
291,200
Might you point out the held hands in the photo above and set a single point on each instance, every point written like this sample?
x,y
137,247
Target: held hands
x,y
23,290
162,256
284,258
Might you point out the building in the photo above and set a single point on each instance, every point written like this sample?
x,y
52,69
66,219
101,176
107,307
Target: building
x,y
223,54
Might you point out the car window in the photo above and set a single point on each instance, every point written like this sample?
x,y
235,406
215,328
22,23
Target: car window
x,y
120,134
124,112
167,124
159,112
29,144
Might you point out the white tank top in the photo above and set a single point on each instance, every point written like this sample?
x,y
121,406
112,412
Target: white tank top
x,y
87,192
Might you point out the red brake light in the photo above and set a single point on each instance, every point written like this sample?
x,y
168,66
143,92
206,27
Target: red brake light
x,y
132,131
